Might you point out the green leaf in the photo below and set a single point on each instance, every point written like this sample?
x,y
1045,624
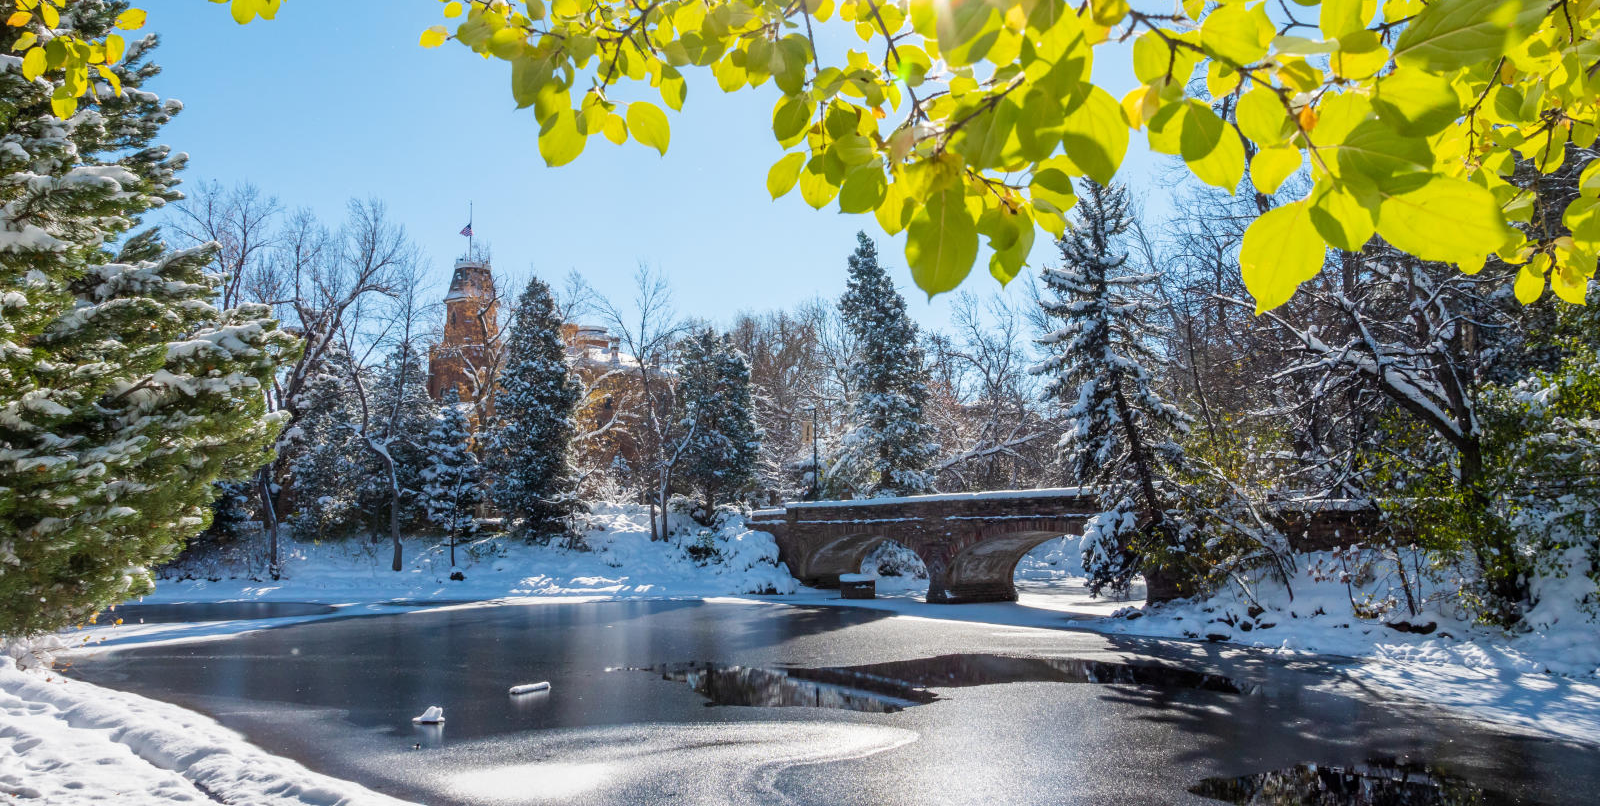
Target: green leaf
x,y
560,142
790,118
1589,180
1262,118
1040,126
1054,187
852,149
1445,219
1234,33
864,189
1375,155
1346,221
673,88
1582,218
528,76
1271,166
783,173
1211,148
1096,136
1341,17
1451,34
1281,250
1151,57
648,124
942,242
1415,102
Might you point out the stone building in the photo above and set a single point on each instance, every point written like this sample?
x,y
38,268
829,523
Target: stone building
x,y
472,324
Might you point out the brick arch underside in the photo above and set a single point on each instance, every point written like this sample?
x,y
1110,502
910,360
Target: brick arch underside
x,y
984,570
844,555
980,569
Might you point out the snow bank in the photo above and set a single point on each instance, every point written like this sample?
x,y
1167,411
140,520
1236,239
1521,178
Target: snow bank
x,y
65,742
618,560
1317,612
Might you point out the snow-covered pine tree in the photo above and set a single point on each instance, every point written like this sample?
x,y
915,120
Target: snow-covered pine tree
x,y
528,451
887,448
452,484
402,415
124,392
1120,435
717,418
327,465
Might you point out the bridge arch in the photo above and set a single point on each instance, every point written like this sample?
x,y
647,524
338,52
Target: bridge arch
x,y
844,554
985,570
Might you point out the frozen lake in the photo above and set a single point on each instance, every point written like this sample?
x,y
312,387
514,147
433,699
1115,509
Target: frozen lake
x,y
694,702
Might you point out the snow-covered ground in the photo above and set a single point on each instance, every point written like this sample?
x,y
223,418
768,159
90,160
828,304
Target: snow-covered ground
x,y
621,562
66,740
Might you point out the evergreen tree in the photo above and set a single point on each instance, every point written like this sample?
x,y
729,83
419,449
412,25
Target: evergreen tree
x,y
452,485
716,416
1120,434
887,448
529,441
124,392
326,462
402,415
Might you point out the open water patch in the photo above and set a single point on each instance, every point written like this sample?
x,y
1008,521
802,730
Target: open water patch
x,y
1380,782
896,685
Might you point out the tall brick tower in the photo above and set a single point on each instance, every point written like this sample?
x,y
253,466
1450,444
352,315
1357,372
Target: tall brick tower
x,y
471,324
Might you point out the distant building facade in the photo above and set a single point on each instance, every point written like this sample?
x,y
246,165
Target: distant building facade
x,y
462,357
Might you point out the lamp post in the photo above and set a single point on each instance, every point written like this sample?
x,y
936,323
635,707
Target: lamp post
x,y
816,465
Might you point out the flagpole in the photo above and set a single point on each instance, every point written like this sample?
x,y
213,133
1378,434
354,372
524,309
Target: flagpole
x,y
469,231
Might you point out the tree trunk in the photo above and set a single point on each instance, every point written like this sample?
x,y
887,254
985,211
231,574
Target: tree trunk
x,y
394,508
1162,583
269,518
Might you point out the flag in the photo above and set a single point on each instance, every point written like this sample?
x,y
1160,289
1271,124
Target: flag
x,y
467,230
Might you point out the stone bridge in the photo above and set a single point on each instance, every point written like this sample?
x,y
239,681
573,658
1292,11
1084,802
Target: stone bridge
x,y
971,542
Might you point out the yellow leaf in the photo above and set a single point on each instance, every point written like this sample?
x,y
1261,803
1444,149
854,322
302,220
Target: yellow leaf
x,y
24,42
1271,166
783,173
452,9
1570,280
1281,250
49,15
131,20
244,10
18,19
433,37
33,64
63,103
648,124
111,78
615,129
115,48
1530,280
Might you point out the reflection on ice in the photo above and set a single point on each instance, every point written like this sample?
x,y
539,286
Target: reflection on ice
x,y
1382,782
889,687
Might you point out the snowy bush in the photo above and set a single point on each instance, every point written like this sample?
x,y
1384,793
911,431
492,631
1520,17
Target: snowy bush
x,y
891,559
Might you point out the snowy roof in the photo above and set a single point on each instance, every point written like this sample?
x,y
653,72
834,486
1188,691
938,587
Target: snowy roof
x,y
1054,492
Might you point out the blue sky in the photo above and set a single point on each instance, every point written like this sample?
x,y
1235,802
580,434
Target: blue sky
x,y
335,100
